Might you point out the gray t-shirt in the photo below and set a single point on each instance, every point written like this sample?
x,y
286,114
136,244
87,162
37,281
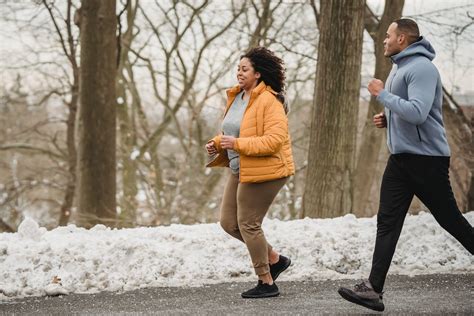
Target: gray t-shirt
x,y
231,127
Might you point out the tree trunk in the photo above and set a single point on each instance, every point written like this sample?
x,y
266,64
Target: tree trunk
x,y
470,193
372,137
97,114
127,216
460,137
66,206
163,215
69,46
128,139
331,156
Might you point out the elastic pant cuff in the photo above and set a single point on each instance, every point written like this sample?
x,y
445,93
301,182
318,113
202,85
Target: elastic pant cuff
x,y
262,270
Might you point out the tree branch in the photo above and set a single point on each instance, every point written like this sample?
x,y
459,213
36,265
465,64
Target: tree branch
x,y
39,150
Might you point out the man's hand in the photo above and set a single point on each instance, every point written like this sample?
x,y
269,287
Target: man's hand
x,y
380,120
375,86
211,148
227,142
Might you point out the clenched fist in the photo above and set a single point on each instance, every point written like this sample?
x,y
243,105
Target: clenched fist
x,y
375,86
211,148
380,120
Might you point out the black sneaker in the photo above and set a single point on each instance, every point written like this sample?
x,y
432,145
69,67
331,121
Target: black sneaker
x,y
277,268
363,294
262,290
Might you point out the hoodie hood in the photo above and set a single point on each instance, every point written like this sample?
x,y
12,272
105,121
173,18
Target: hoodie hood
x,y
421,47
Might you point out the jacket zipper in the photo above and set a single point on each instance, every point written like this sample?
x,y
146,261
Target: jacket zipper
x,y
389,126
390,113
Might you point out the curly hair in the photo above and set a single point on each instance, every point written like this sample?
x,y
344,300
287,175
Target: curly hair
x,y
271,69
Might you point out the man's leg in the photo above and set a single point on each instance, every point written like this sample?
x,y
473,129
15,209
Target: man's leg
x,y
396,195
434,190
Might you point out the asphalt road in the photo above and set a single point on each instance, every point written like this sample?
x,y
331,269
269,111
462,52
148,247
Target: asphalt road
x,y
429,295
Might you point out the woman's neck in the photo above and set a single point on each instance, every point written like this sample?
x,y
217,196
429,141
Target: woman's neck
x,y
247,92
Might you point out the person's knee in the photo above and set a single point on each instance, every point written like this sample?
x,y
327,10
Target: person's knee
x,y
386,222
383,219
229,227
248,226
455,226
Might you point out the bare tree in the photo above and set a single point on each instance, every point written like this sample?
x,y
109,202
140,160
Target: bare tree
x,y
69,47
460,136
371,137
329,179
176,72
174,61
265,18
126,118
56,68
97,114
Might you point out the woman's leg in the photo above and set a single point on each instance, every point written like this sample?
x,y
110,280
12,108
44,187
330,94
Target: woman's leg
x,y
228,213
254,200
273,256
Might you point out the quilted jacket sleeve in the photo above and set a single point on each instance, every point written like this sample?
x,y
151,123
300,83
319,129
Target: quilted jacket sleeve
x,y
217,142
275,132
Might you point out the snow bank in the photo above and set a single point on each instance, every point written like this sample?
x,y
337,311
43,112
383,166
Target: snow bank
x,y
35,261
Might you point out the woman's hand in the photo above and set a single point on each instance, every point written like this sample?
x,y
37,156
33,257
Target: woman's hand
x,y
211,148
227,142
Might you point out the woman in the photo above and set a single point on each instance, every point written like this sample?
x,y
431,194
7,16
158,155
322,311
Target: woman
x,y
255,145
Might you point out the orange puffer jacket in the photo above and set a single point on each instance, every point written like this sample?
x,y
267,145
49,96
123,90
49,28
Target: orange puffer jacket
x,y
264,143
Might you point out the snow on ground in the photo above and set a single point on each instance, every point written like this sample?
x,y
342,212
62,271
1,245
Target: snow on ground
x,y
69,259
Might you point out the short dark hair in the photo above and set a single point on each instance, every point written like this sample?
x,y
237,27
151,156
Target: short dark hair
x,y
409,28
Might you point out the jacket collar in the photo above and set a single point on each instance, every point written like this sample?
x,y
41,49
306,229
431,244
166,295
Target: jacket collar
x,y
259,89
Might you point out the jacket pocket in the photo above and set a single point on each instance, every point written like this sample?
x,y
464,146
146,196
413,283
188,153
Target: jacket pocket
x,y
418,132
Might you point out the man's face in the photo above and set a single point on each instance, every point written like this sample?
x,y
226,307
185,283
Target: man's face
x,y
392,42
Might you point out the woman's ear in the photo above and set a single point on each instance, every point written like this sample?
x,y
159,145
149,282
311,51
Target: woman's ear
x,y
257,75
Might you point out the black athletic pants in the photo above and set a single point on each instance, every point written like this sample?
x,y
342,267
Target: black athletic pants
x,y
427,177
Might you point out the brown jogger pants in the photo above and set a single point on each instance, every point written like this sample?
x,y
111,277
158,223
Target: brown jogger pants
x,y
243,208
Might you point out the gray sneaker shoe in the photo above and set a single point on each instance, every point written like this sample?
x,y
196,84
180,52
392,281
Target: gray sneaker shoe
x,y
363,294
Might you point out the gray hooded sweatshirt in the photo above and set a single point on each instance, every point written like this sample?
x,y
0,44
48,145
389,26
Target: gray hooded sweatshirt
x,y
412,99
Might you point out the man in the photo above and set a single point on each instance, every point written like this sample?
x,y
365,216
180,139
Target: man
x,y
419,160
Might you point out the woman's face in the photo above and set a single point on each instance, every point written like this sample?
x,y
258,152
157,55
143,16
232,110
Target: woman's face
x,y
246,75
